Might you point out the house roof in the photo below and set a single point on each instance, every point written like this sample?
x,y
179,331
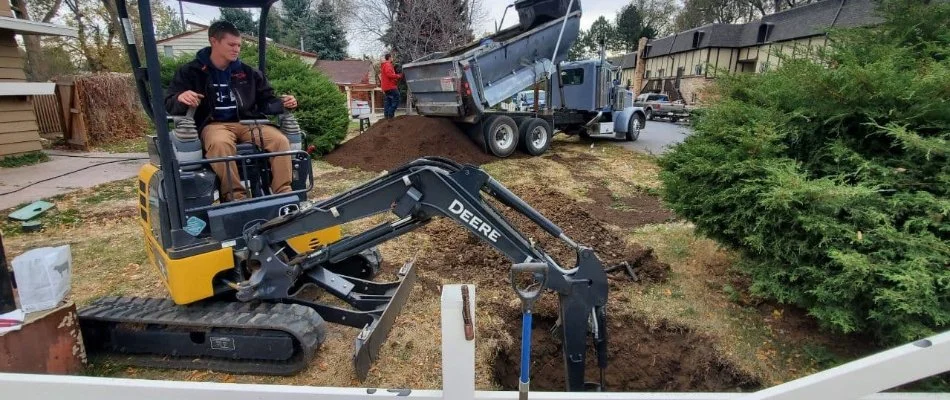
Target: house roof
x,y
203,27
234,3
346,71
799,22
629,61
27,27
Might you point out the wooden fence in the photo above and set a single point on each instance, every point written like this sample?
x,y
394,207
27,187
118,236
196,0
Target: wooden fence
x,y
49,114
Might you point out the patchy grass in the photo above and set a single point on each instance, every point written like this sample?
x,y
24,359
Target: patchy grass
x,y
81,209
136,145
22,160
703,292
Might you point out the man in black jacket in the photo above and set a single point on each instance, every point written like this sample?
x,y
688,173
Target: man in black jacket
x,y
224,90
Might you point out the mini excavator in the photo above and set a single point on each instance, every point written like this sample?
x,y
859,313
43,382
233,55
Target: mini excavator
x,y
237,272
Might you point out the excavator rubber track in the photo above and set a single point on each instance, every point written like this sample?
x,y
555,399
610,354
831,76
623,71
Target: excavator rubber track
x,y
116,323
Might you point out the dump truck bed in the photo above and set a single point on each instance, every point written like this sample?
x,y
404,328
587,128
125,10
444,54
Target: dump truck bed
x,y
463,82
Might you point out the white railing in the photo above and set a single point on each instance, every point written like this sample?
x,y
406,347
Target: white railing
x,y
861,379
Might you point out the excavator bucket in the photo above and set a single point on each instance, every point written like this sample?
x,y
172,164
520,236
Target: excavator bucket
x,y
377,305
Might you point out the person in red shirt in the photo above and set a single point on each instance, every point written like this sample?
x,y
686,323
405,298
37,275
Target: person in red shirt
x,y
390,85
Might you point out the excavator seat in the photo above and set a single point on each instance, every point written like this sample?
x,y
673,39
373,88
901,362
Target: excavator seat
x,y
200,186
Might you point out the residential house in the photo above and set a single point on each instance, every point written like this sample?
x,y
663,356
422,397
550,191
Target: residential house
x,y
356,78
628,69
197,38
681,65
19,132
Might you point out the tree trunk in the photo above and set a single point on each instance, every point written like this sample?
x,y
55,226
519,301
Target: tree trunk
x,y
36,69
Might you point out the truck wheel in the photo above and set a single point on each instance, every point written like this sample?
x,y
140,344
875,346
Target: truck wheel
x,y
649,113
536,136
633,127
501,135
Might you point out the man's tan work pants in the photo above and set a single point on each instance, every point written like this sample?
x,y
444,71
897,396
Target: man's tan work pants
x,y
220,140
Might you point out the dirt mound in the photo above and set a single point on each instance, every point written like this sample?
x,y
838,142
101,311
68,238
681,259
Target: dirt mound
x,y
465,258
391,143
640,358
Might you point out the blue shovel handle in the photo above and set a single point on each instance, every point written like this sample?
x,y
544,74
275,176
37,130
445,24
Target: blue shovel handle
x,y
525,354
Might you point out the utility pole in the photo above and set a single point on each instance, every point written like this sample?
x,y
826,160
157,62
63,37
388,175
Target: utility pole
x,y
181,11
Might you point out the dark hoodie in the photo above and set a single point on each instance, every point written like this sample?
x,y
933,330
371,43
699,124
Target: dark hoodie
x,y
239,92
225,105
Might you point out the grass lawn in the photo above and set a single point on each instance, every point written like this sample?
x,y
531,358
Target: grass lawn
x,y
703,293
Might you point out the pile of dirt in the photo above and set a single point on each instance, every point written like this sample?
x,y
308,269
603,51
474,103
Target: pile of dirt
x,y
391,143
463,257
640,358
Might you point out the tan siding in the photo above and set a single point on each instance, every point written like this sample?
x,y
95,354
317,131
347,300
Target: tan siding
x,y
15,103
5,10
17,116
22,147
725,57
19,126
11,62
15,74
19,137
10,51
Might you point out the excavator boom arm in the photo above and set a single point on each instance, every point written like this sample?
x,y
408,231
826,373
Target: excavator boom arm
x,y
416,193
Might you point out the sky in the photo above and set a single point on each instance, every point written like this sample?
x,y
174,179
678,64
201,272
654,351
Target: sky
x,y
592,9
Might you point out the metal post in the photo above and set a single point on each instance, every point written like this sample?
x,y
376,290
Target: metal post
x,y
557,47
7,302
181,12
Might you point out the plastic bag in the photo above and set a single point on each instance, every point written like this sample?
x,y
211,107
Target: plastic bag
x,y
43,277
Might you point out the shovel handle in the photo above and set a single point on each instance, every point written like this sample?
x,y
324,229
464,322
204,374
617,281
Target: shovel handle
x,y
540,273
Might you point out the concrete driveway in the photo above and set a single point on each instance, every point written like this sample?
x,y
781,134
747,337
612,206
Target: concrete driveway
x,y
658,136
64,173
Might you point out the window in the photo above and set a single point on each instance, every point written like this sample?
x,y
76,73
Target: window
x,y
698,38
699,69
647,75
660,74
169,51
764,31
574,76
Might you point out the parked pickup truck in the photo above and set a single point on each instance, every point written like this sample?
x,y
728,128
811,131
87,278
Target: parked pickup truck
x,y
657,105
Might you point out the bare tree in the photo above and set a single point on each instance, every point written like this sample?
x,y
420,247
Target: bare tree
x,y
414,28
658,14
34,49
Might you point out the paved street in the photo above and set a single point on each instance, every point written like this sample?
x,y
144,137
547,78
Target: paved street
x,y
657,136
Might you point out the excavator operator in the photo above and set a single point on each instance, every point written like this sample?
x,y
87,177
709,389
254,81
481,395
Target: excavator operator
x,y
224,91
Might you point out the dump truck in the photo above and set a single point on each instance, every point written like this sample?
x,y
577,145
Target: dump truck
x,y
467,83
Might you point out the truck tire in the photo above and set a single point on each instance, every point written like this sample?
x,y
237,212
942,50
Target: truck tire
x,y
649,113
637,121
536,135
501,135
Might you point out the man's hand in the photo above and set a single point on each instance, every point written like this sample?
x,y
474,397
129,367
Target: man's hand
x,y
190,98
290,102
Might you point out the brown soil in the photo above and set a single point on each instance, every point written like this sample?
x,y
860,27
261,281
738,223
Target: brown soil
x,y
625,212
640,358
391,143
465,258
629,211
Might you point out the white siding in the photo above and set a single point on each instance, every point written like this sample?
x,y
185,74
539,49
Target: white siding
x,y
190,44
186,44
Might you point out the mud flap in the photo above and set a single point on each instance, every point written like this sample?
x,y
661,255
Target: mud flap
x,y
372,337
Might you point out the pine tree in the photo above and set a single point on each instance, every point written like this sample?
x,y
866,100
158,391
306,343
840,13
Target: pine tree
x,y
326,36
241,18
